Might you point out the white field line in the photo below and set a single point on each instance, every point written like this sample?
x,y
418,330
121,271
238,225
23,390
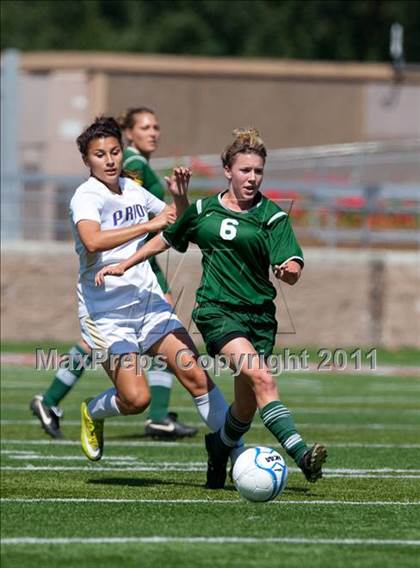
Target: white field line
x,y
116,460
210,540
196,467
32,455
187,443
323,426
283,502
295,387
394,386
296,410
119,444
371,446
122,460
343,399
335,408
13,386
298,398
29,359
38,386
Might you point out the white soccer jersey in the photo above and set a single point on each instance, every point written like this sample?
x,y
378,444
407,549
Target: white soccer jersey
x,y
95,202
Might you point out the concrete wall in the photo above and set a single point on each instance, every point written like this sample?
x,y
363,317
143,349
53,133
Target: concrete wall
x,y
345,298
198,116
200,100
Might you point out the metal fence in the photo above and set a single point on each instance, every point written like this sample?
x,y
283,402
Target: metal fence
x,y
357,194
365,193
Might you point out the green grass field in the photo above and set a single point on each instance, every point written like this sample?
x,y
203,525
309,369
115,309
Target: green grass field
x,y
144,503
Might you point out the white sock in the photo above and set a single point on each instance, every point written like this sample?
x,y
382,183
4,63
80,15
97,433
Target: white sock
x,y
104,405
212,408
159,379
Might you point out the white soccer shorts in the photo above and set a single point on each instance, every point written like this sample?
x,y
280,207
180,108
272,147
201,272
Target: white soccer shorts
x,y
133,329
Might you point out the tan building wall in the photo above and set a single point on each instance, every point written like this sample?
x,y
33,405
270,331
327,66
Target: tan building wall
x,y
338,303
198,115
200,100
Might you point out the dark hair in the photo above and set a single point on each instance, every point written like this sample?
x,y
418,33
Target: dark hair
x,y
247,141
103,127
128,120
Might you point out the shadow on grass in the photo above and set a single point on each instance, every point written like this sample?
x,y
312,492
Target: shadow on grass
x,y
128,481
297,489
142,482
136,436
142,436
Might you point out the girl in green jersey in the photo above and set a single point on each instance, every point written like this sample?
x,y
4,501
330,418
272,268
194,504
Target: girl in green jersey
x,y
241,235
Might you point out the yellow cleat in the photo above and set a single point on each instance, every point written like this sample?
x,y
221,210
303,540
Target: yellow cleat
x,y
92,434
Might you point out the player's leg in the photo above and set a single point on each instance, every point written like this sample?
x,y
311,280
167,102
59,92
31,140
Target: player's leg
x,y
45,406
274,413
160,381
130,395
181,357
237,423
116,334
162,333
219,444
161,423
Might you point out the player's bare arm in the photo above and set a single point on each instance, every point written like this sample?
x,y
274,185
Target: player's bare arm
x,y
167,216
288,272
178,187
97,240
151,248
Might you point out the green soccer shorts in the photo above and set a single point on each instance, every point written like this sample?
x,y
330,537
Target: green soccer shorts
x,y
219,323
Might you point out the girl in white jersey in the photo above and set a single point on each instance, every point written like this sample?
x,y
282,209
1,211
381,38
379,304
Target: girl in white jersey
x,y
128,316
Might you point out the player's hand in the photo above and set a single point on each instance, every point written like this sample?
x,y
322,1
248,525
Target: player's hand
x,y
111,270
289,272
161,221
178,182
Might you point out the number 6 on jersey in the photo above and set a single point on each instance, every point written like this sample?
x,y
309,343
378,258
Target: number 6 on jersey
x,y
228,229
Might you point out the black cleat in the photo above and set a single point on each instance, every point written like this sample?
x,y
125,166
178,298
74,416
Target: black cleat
x,y
216,463
312,462
169,428
48,416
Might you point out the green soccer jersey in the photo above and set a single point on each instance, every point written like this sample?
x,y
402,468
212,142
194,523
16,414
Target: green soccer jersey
x,y
238,248
136,163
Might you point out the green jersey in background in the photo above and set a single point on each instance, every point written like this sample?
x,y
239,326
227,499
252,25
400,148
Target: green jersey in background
x,y
136,163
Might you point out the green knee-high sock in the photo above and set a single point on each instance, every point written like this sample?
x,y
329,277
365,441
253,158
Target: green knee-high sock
x,y
158,409
233,429
277,418
160,383
65,379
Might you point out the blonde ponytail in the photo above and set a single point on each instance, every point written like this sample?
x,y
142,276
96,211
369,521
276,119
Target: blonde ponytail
x,y
247,141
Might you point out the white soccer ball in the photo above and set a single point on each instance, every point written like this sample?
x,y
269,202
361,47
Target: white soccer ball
x,y
260,474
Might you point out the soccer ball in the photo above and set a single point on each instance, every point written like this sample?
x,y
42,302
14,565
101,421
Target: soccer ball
x,y
260,474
